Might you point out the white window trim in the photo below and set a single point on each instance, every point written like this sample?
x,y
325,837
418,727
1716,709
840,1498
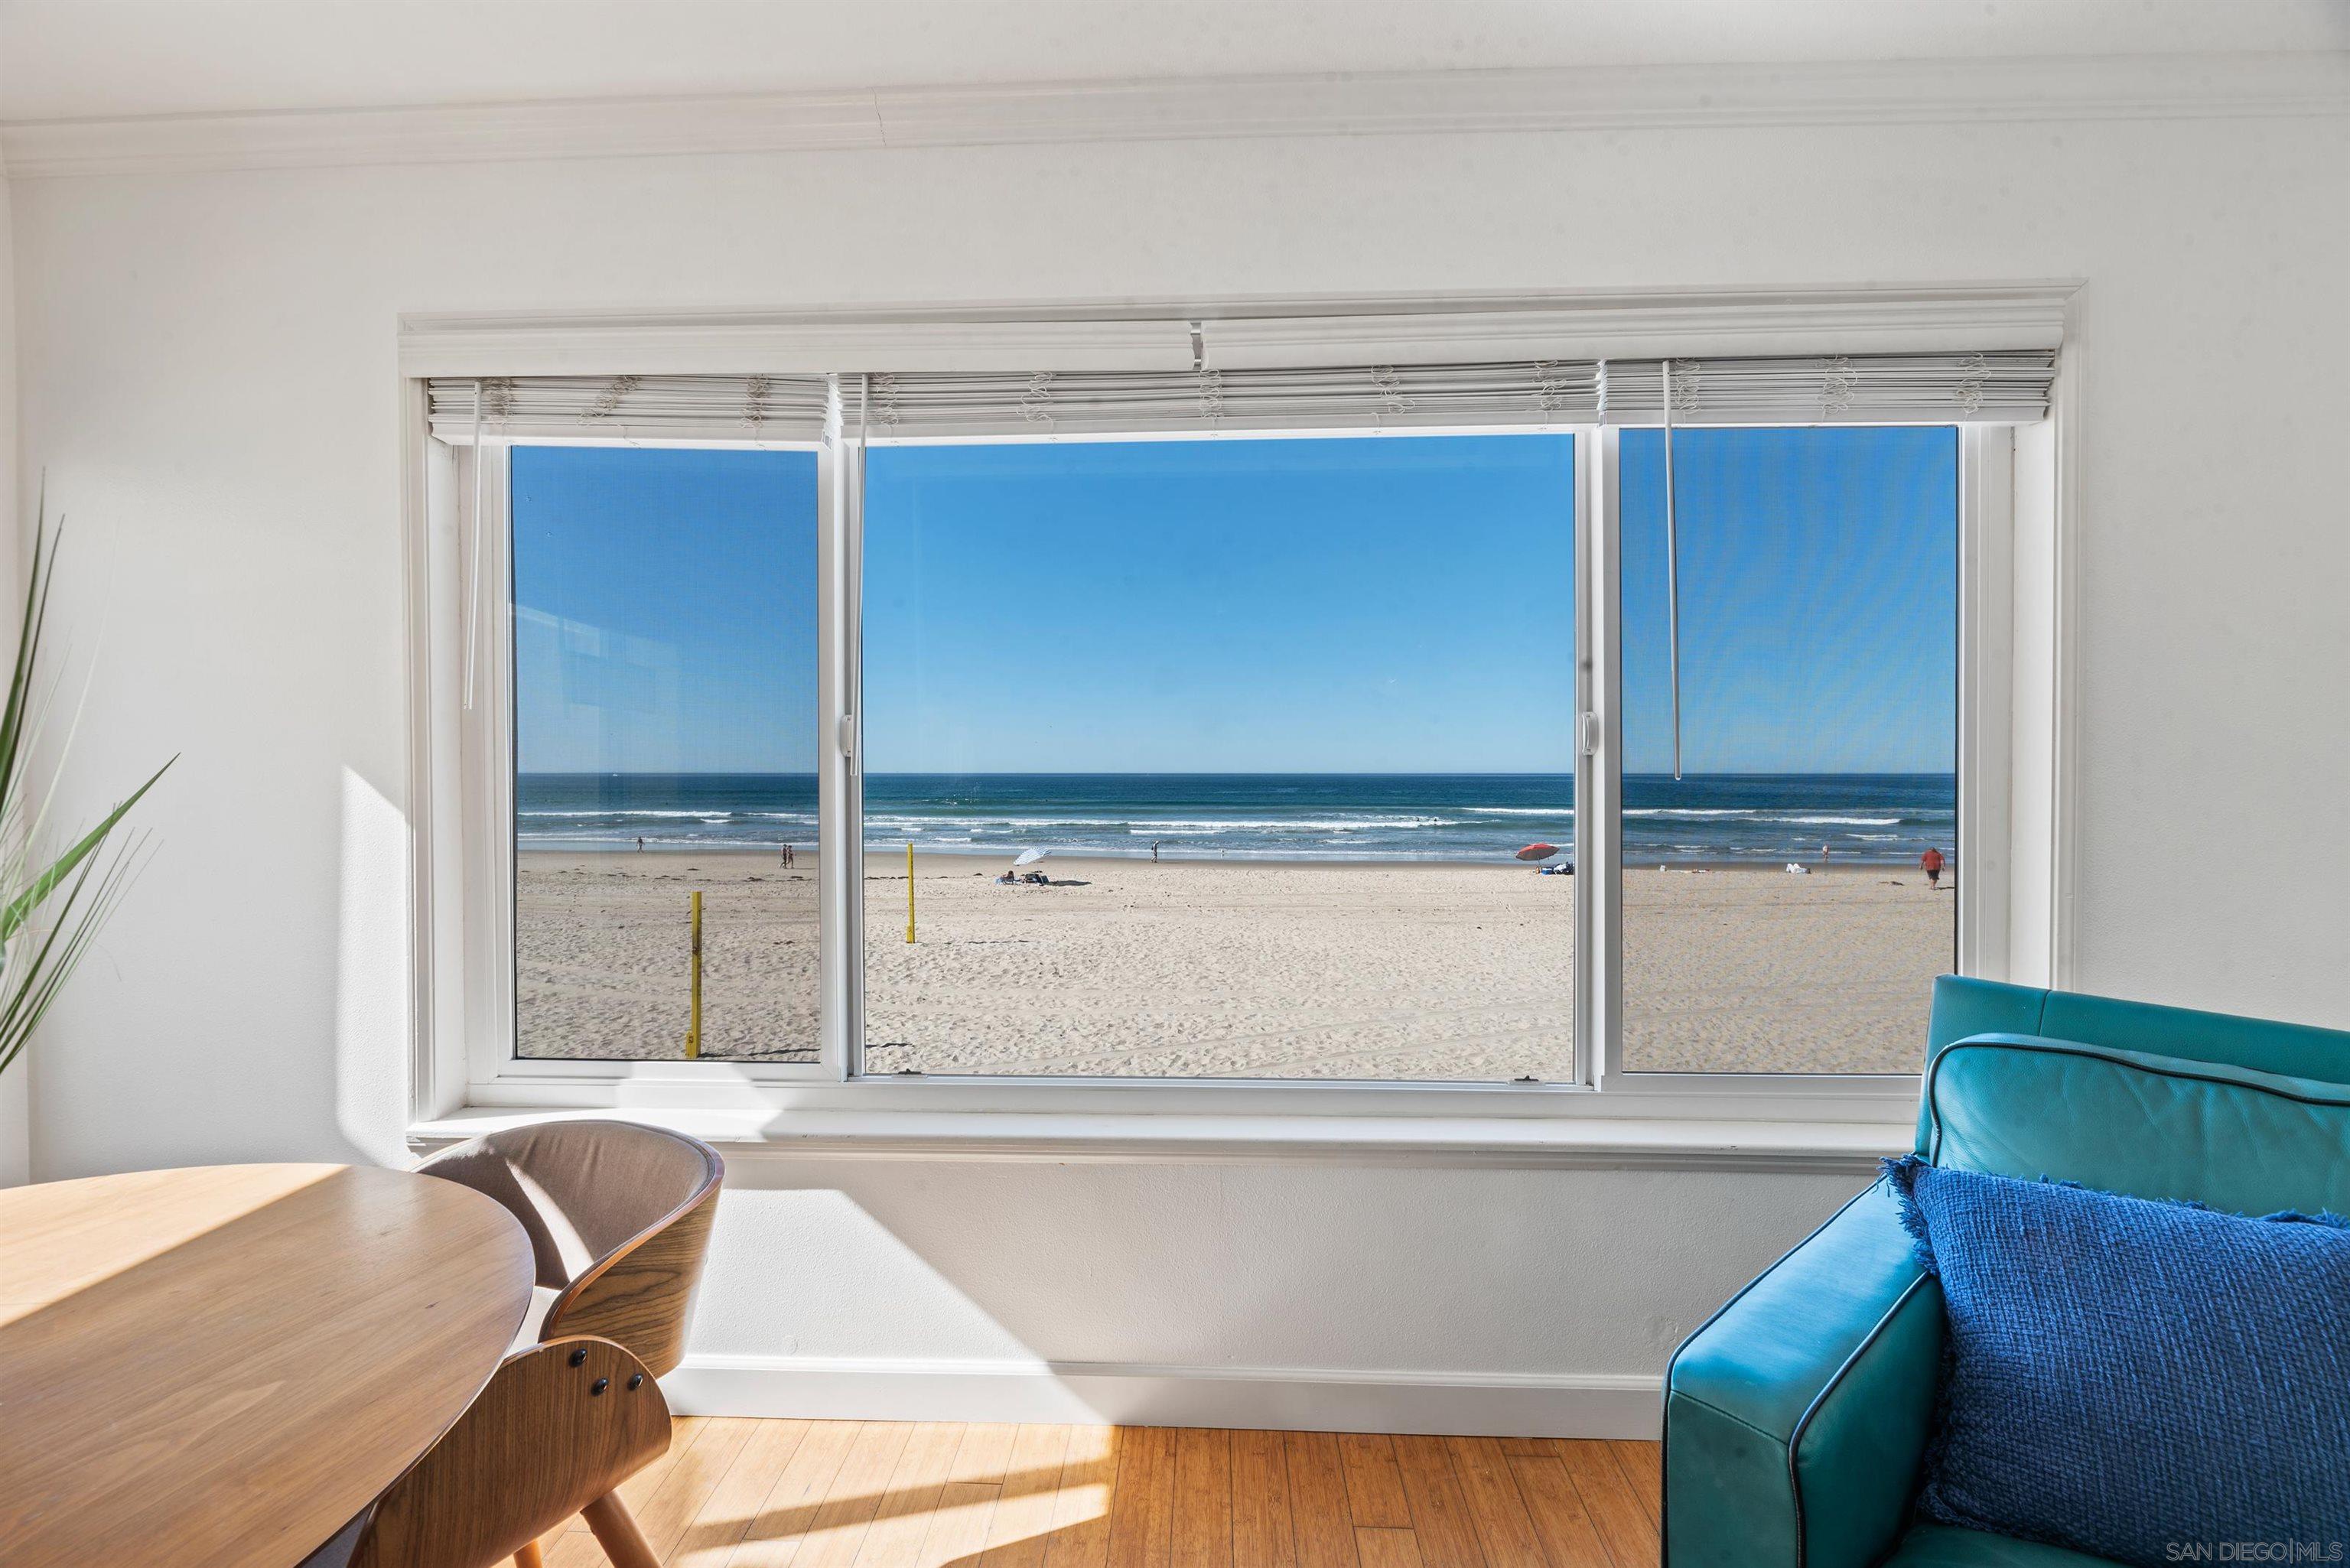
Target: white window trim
x,y
2012,683
1986,673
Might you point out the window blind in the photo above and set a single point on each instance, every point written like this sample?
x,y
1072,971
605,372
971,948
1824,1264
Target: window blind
x,y
2000,387
933,404
647,408
2004,387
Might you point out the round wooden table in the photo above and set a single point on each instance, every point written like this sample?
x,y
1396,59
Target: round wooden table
x,y
222,1365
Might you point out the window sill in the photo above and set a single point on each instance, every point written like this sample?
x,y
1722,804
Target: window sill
x,y
1493,1142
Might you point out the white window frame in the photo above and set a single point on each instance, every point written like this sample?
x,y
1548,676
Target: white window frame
x,y
1986,674
462,777
1362,1094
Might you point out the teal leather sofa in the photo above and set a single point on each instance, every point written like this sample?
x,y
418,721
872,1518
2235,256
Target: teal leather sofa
x,y
1797,1416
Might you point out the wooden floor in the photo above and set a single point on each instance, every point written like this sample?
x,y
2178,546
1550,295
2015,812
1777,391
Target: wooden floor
x,y
842,1494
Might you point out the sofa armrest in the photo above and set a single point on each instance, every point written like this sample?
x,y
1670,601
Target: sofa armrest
x,y
1795,1419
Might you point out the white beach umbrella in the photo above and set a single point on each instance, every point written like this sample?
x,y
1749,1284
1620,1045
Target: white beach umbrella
x,y
1030,858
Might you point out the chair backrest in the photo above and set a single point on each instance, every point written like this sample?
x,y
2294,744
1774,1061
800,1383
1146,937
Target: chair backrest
x,y
560,1426
2247,1115
2238,1140
619,1216
1964,1007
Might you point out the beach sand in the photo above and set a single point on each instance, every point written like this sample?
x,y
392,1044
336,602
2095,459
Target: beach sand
x,y
1230,968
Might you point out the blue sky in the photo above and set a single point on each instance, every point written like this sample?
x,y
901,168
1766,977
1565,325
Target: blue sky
x,y
665,610
1351,605
1818,595
1337,606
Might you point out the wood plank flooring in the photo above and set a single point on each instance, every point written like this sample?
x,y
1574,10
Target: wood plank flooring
x,y
734,1493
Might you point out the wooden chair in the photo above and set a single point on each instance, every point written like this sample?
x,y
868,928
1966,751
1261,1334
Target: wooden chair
x,y
559,1427
618,1216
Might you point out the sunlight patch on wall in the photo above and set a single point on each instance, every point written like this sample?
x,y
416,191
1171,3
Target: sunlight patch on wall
x,y
371,973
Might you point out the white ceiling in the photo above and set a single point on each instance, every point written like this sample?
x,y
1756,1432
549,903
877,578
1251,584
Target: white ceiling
x,y
104,58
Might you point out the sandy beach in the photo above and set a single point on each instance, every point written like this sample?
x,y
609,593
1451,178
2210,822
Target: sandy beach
x,y
1231,969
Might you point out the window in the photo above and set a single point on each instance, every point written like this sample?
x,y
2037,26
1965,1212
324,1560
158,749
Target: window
x,y
1014,741
1776,915
665,733
1244,758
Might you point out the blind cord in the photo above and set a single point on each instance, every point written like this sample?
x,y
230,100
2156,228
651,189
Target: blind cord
x,y
1672,573
854,697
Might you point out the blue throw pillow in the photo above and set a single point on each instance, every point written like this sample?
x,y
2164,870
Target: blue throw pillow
x,y
2153,1382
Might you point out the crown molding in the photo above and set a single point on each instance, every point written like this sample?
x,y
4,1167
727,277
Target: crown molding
x,y
1403,103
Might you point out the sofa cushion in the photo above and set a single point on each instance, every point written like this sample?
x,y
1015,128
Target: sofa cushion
x,y
2152,1127
2127,1376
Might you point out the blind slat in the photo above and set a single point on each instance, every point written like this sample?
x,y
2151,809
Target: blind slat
x,y
651,408
2002,387
1532,393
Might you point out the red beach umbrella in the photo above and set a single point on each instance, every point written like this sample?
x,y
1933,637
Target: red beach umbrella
x,y
1538,851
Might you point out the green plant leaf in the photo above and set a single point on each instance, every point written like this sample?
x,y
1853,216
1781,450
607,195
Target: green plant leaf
x,y
40,980
20,908
28,645
37,970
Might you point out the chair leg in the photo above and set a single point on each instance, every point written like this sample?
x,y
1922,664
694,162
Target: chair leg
x,y
529,1557
617,1533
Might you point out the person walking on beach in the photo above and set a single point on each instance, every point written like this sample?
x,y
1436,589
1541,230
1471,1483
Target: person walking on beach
x,y
1931,863
640,843
1154,848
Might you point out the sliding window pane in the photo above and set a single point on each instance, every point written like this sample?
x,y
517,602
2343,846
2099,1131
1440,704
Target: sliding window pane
x,y
1790,898
665,737
1217,758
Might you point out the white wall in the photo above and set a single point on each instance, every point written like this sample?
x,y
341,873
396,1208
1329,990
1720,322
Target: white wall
x,y
101,58
16,1083
207,372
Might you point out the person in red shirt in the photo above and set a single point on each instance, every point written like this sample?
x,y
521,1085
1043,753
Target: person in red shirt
x,y
1931,863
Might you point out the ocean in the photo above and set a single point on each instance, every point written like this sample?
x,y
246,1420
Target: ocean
x,y
1719,819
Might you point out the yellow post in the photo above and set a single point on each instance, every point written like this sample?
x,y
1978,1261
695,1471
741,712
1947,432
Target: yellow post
x,y
909,890
693,1026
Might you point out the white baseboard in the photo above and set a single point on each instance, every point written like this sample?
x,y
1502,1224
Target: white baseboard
x,y
1501,1405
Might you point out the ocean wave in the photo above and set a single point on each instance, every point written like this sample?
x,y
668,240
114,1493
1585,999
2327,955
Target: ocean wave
x,y
621,840
990,819
1291,825
1691,811
998,821
589,811
1867,820
1352,851
1144,827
